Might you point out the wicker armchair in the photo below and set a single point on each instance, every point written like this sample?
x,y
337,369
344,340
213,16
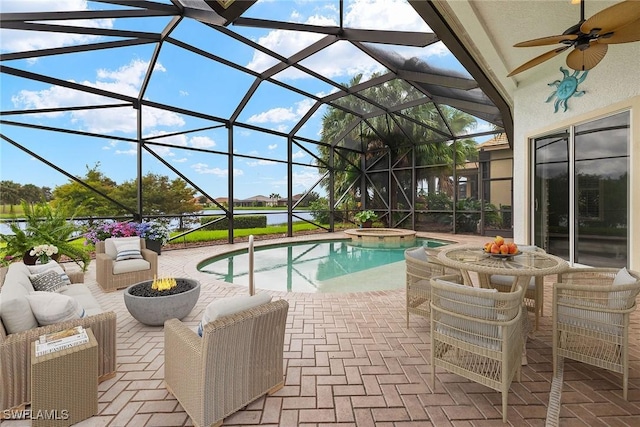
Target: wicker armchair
x,y
533,295
238,359
591,319
112,275
476,333
421,264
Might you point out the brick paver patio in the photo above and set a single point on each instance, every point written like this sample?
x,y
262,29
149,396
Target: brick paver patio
x,y
351,361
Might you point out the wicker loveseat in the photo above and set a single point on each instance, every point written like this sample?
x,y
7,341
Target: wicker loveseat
x,y
15,348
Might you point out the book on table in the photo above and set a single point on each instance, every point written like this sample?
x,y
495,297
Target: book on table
x,y
60,340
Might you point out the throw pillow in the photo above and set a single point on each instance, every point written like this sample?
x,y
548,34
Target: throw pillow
x,y
618,300
52,307
231,305
51,265
127,248
49,281
623,278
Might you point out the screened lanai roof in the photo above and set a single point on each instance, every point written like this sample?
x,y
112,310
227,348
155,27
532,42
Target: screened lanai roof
x,y
248,52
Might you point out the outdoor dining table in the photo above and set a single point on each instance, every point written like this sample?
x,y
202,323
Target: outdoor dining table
x,y
521,266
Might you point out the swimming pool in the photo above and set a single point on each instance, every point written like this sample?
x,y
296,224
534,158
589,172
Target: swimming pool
x,y
316,266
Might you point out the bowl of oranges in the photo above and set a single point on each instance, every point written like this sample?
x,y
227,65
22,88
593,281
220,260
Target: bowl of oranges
x,y
498,248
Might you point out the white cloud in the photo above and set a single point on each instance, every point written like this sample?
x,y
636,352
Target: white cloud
x,y
19,41
342,59
201,142
272,146
131,151
281,114
181,160
260,163
275,115
183,93
124,80
203,168
299,154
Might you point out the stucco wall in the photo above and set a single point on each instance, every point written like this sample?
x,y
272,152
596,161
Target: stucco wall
x,y
614,85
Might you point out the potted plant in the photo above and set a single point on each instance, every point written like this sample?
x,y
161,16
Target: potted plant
x,y
43,225
365,218
155,234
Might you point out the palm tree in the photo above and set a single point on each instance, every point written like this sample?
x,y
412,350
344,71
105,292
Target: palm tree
x,y
391,136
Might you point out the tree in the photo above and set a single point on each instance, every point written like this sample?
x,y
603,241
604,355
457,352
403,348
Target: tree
x,y
160,195
390,139
87,202
274,199
9,194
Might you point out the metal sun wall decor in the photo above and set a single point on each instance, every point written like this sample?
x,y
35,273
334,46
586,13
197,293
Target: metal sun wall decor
x,y
566,88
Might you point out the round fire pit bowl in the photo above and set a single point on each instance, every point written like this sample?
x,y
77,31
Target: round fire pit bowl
x,y
154,307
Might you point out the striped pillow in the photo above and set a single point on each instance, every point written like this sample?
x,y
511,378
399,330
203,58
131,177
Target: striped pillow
x,y
127,250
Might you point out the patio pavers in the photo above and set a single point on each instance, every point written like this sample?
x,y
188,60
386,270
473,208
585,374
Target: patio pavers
x,y
351,361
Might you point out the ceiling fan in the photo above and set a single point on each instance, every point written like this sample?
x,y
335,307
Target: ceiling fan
x,y
590,38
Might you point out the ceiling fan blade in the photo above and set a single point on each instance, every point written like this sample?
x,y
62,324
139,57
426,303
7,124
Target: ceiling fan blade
x,y
628,33
538,60
588,58
543,41
616,16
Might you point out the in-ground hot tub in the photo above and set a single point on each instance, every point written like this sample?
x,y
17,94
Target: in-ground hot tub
x,y
385,237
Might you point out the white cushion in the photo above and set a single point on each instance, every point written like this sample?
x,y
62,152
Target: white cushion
x,y
112,243
130,265
592,320
623,277
618,299
499,279
49,281
468,305
81,293
52,307
51,265
418,253
231,305
16,311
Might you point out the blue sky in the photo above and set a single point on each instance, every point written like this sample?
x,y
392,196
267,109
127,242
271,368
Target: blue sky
x,y
185,80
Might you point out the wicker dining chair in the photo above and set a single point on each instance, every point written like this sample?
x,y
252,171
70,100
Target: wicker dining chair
x,y
533,295
421,264
476,333
591,310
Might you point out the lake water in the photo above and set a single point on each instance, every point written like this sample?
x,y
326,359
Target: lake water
x,y
273,217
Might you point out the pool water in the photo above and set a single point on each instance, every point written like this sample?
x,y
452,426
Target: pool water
x,y
318,266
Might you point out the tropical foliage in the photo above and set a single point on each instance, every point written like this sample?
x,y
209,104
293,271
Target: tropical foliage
x,y
43,224
355,145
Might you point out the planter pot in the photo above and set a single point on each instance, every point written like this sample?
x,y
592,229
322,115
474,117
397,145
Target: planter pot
x,y
154,310
367,224
154,245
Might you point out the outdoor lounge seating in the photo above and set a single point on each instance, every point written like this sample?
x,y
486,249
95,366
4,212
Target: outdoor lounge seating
x,y
591,310
238,359
16,341
476,333
113,273
421,265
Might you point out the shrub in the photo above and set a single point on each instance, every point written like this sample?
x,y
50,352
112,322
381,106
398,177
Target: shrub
x,y
239,222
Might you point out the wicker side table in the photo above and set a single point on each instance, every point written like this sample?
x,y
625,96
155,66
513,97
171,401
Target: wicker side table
x,y
64,384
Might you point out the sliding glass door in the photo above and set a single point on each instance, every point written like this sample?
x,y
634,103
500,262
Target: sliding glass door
x,y
581,191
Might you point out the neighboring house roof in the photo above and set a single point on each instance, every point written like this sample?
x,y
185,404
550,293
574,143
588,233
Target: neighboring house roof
x,y
498,142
